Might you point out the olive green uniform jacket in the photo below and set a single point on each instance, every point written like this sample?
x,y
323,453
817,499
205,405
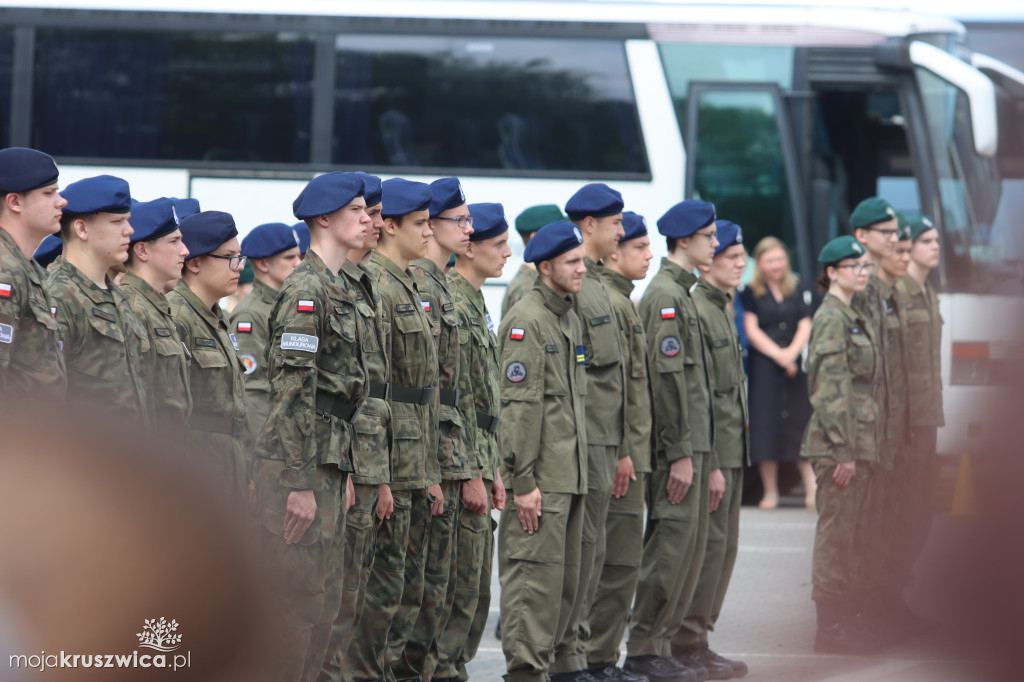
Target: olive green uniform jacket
x,y
923,352
249,322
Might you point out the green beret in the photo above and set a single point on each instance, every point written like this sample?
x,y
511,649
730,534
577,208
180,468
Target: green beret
x,y
247,275
872,211
902,227
840,248
920,226
536,217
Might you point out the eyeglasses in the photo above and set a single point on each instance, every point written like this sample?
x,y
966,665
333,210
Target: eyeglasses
x,y
887,233
234,262
710,235
462,220
860,267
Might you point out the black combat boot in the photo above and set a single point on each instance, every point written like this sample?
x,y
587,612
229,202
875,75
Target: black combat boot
x,y
712,661
689,657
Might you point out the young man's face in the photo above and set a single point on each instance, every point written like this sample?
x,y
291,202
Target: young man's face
x,y
349,224
726,269
925,251
166,256
895,265
217,274
41,209
376,225
634,257
566,271
879,239
452,229
109,236
605,234
700,246
279,266
490,255
411,234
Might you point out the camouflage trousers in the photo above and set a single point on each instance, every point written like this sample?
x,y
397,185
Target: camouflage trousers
x,y
719,560
360,532
570,652
310,572
835,564
458,643
913,520
876,524
609,610
437,594
674,545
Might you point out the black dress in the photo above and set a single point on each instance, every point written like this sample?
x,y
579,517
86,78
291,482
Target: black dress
x,y
779,406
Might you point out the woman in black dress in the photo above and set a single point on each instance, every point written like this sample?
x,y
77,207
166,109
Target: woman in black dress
x,y
778,324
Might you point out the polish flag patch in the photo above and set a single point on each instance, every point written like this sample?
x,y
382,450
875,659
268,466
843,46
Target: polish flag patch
x,y
5,290
668,313
425,305
53,311
517,334
246,327
305,306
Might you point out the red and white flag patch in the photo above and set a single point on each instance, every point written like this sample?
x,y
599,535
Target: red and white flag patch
x,y
668,313
425,305
5,290
245,327
305,306
517,334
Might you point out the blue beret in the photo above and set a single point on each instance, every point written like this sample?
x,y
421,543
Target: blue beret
x,y
729,234
24,169
633,225
48,250
552,241
183,208
103,193
596,199
402,197
488,221
326,194
204,232
840,248
444,194
269,239
152,219
871,212
302,230
371,188
685,218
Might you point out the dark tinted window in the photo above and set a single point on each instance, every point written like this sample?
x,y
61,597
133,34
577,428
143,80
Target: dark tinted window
x,y
177,96
6,66
516,104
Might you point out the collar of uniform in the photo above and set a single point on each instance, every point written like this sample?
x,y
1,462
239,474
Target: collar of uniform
x,y
471,293
133,281
684,277
594,268
264,291
714,294
212,316
88,287
353,271
618,282
912,288
552,301
430,267
395,271
848,312
884,289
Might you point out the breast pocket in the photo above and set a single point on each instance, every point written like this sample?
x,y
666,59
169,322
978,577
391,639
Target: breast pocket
x,y
448,345
602,339
860,355
102,351
724,359
409,341
369,326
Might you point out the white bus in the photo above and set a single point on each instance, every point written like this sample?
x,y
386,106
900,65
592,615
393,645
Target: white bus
x,y
784,116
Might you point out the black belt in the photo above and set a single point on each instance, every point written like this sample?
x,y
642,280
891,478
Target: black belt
x,y
450,397
487,422
326,406
416,396
229,426
382,391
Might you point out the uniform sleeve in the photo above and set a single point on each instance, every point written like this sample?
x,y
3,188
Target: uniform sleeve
x,y
831,386
467,400
522,401
707,339
13,305
662,320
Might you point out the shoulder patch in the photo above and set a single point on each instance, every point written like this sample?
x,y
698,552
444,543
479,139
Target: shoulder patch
x,y
305,305
303,342
249,362
515,372
244,327
670,346
425,305
517,334
668,313
581,355
6,333
6,290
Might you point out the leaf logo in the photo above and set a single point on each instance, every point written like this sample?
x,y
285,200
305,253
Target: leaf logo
x,y
159,635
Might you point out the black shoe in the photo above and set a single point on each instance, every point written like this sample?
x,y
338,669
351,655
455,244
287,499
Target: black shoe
x,y
613,674
689,657
659,669
575,676
708,657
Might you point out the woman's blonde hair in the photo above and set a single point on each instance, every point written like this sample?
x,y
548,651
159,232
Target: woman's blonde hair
x,y
757,283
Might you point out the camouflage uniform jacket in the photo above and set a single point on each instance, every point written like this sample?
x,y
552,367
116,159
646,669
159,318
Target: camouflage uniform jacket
x,y
249,322
31,361
923,342
728,381
605,363
680,382
371,428
480,391
103,346
639,415
520,284
414,376
543,432
896,421
444,328
870,306
842,366
170,401
217,431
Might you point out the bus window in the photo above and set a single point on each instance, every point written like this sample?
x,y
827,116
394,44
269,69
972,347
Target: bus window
x,y
518,105
164,95
6,67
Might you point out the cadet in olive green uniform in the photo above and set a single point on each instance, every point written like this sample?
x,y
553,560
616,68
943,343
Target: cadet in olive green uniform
x,y
103,342
678,492
479,399
527,223
155,257
625,526
543,444
318,383
729,402
31,362
842,368
273,251
399,556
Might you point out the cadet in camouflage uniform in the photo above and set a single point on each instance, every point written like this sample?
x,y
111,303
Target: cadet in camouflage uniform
x,y
318,383
543,443
217,437
731,444
273,251
625,526
679,489
451,224
31,362
842,367
479,400
922,344
103,342
399,556
527,223
155,258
